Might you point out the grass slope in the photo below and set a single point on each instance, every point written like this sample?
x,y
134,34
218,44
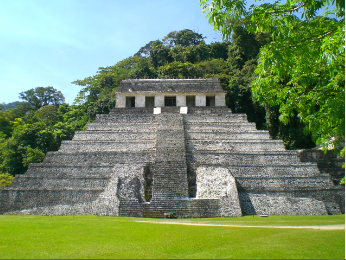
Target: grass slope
x,y
117,237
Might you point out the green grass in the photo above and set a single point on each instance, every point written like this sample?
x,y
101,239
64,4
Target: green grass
x,y
265,221
118,237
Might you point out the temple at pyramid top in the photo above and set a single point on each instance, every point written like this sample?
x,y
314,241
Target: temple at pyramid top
x,y
170,92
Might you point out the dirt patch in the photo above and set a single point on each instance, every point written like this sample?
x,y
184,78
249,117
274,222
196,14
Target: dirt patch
x,y
324,227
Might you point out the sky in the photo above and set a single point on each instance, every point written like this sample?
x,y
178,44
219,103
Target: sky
x,y
55,42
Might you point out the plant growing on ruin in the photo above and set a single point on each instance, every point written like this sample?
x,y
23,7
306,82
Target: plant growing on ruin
x,y
6,179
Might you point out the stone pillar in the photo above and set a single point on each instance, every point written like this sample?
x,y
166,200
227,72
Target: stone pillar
x,y
140,101
181,101
120,101
200,100
220,100
159,100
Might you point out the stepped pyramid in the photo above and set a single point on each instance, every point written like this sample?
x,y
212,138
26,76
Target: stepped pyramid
x,y
172,146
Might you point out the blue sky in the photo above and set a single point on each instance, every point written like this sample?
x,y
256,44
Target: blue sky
x,y
54,42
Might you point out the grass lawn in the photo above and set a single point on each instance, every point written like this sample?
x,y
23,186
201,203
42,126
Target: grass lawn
x,y
119,237
263,221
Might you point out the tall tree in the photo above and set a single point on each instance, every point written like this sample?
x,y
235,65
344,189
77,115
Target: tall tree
x,y
183,38
42,96
303,68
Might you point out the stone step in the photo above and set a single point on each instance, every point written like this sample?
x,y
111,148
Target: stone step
x,y
168,142
180,208
231,118
132,111
169,132
185,208
11,200
114,136
241,135
254,159
170,174
170,169
106,158
170,155
25,182
208,110
283,184
123,127
219,127
114,146
67,171
114,118
291,170
235,145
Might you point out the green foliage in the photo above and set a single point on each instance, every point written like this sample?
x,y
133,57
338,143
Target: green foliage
x,y
101,106
143,69
105,82
5,106
183,38
302,69
48,114
159,54
42,96
49,139
29,137
145,50
6,179
5,123
74,116
239,95
32,156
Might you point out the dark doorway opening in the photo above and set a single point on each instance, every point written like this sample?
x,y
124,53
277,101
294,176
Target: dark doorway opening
x,y
170,102
210,101
190,101
149,101
191,182
148,183
130,102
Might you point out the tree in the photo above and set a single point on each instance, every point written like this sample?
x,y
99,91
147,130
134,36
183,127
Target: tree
x,y
104,83
183,38
302,69
48,114
159,54
143,70
42,96
145,50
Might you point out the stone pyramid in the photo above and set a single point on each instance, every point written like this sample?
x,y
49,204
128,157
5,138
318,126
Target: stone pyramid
x,y
206,163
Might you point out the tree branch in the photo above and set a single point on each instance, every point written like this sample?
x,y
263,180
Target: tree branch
x,y
290,10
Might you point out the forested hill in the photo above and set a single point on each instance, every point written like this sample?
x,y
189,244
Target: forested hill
x,y
42,120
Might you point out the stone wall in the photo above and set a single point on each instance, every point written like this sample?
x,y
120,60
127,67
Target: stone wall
x,y
218,183
329,162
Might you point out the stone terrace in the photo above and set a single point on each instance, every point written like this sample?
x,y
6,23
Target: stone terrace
x,y
206,163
